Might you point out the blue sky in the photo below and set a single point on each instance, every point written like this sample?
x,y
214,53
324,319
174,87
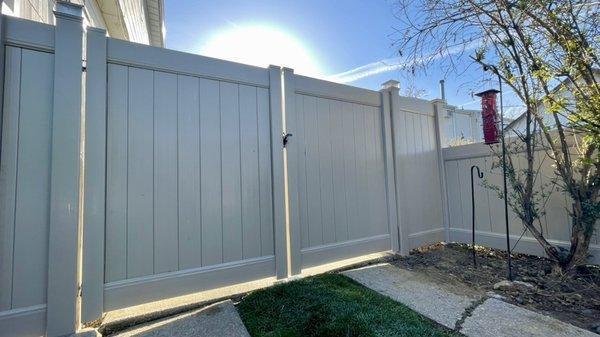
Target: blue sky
x,y
328,37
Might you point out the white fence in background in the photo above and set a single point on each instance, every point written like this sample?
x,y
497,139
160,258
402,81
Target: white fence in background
x,y
489,215
177,181
418,171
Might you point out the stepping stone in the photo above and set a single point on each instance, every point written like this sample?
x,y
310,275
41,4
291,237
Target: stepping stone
x,y
443,303
497,318
220,319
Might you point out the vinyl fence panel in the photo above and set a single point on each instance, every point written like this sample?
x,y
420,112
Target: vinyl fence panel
x,y
25,181
188,176
489,215
342,198
418,178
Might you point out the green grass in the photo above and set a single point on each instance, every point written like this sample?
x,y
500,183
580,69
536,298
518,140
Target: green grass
x,y
331,305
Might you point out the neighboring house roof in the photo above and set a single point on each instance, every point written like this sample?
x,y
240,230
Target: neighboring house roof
x,y
560,86
514,122
156,22
140,21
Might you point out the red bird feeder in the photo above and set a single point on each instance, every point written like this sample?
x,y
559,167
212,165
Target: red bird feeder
x,y
490,116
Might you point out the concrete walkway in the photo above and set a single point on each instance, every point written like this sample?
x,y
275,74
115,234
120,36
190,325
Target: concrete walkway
x,y
459,307
219,319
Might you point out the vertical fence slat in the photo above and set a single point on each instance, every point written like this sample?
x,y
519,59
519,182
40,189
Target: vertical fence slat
x,y
165,173
189,194
264,154
249,172
140,173
210,158
339,183
231,171
313,204
116,173
8,173
350,172
64,191
94,177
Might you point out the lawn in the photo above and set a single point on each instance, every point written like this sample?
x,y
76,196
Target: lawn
x,y
331,305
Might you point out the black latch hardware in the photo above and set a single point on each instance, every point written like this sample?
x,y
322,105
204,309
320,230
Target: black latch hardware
x,y
285,138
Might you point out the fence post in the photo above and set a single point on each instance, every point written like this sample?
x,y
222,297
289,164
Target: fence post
x,y
92,284
278,174
393,89
291,156
2,53
389,154
63,256
439,106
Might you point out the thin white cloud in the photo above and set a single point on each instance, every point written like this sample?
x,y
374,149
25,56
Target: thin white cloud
x,y
392,64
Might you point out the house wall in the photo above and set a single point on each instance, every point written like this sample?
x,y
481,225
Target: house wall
x,y
459,126
123,19
41,11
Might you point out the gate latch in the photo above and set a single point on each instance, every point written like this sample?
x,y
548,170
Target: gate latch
x,y
285,138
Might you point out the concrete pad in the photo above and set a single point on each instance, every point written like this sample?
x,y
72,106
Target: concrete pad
x,y
219,319
443,303
497,318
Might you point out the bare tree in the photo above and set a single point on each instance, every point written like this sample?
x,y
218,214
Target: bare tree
x,y
411,90
547,53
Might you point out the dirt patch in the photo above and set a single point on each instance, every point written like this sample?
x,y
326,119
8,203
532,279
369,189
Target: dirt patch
x,y
572,298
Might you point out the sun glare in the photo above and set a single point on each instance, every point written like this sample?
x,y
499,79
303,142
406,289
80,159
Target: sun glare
x,y
261,45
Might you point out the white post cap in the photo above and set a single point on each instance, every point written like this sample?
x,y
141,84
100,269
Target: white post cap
x,y
391,84
65,8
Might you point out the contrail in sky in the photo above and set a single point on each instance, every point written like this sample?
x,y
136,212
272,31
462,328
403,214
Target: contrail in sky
x,y
391,64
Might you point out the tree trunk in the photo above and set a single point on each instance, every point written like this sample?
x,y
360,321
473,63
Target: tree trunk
x,y
580,243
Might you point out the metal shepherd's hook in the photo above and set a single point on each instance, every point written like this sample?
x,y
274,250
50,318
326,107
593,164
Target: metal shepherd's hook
x,y
480,175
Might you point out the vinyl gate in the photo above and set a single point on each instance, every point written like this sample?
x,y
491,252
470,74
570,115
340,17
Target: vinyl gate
x,y
154,173
340,165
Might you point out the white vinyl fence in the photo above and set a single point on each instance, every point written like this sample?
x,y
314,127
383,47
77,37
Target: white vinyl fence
x,y
342,199
419,174
145,173
489,215
25,184
187,160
